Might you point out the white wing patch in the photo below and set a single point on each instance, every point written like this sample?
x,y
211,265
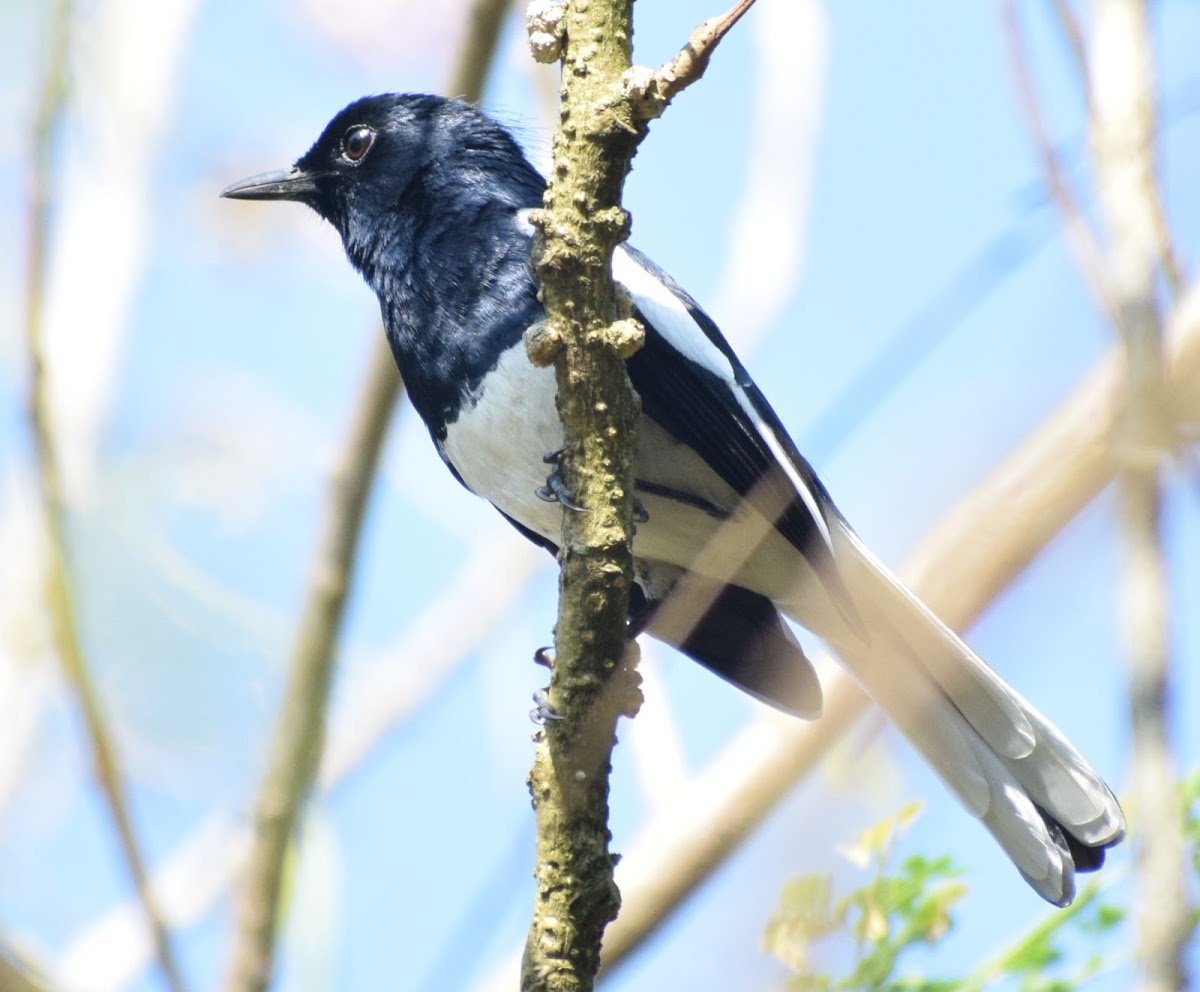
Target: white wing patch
x,y
670,317
673,321
789,469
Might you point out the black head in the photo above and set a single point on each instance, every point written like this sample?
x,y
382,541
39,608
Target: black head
x,y
400,152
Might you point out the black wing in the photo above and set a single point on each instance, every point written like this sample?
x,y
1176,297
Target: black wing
x,y
698,404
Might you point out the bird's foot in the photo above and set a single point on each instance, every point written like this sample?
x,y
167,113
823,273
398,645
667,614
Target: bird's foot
x,y
640,514
555,490
543,710
544,657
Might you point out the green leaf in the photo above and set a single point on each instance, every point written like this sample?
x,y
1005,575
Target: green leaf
x,y
874,843
805,914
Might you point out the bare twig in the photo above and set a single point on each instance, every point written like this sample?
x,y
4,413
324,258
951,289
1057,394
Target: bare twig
x,y
1079,233
1123,115
1167,257
59,592
651,90
1073,34
299,732
300,727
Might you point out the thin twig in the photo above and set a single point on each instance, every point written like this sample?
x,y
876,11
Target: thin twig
x,y
1167,257
1123,115
59,591
300,727
299,733
1073,34
651,91
1080,236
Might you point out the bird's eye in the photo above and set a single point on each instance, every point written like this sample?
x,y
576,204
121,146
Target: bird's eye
x,y
357,142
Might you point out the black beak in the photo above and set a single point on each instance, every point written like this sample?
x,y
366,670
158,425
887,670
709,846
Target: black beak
x,y
284,184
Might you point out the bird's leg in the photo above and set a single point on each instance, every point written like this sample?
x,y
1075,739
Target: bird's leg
x,y
555,490
640,514
542,710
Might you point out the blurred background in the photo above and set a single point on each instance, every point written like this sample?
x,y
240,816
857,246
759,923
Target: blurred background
x,y
854,192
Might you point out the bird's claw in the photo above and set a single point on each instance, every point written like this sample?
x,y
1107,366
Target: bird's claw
x,y
544,656
543,710
640,514
555,490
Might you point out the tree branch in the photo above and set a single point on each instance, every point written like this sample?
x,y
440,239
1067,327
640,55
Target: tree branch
x,y
1079,233
17,975
651,91
1122,139
587,336
59,592
1073,34
300,728
299,733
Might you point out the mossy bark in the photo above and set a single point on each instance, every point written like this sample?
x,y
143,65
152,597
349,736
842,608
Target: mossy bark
x,y
587,337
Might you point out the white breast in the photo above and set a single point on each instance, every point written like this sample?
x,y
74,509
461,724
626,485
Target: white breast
x,y
498,444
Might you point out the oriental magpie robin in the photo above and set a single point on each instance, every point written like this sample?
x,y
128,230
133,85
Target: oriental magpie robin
x,y
431,198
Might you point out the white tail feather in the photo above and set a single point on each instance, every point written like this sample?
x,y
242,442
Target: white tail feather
x,y
1007,764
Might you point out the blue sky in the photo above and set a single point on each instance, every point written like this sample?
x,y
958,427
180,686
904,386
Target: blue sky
x,y
235,361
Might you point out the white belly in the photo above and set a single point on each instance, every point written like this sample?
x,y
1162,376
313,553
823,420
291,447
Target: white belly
x,y
498,445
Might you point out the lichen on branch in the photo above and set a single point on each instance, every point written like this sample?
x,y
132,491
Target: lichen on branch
x,y
587,335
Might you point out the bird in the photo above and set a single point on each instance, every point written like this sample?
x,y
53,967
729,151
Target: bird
x,y
432,199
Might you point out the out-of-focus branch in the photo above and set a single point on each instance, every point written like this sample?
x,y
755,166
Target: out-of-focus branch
x,y
766,247
1122,142
300,727
474,61
374,699
1079,233
977,550
17,976
59,593
1073,34
299,732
